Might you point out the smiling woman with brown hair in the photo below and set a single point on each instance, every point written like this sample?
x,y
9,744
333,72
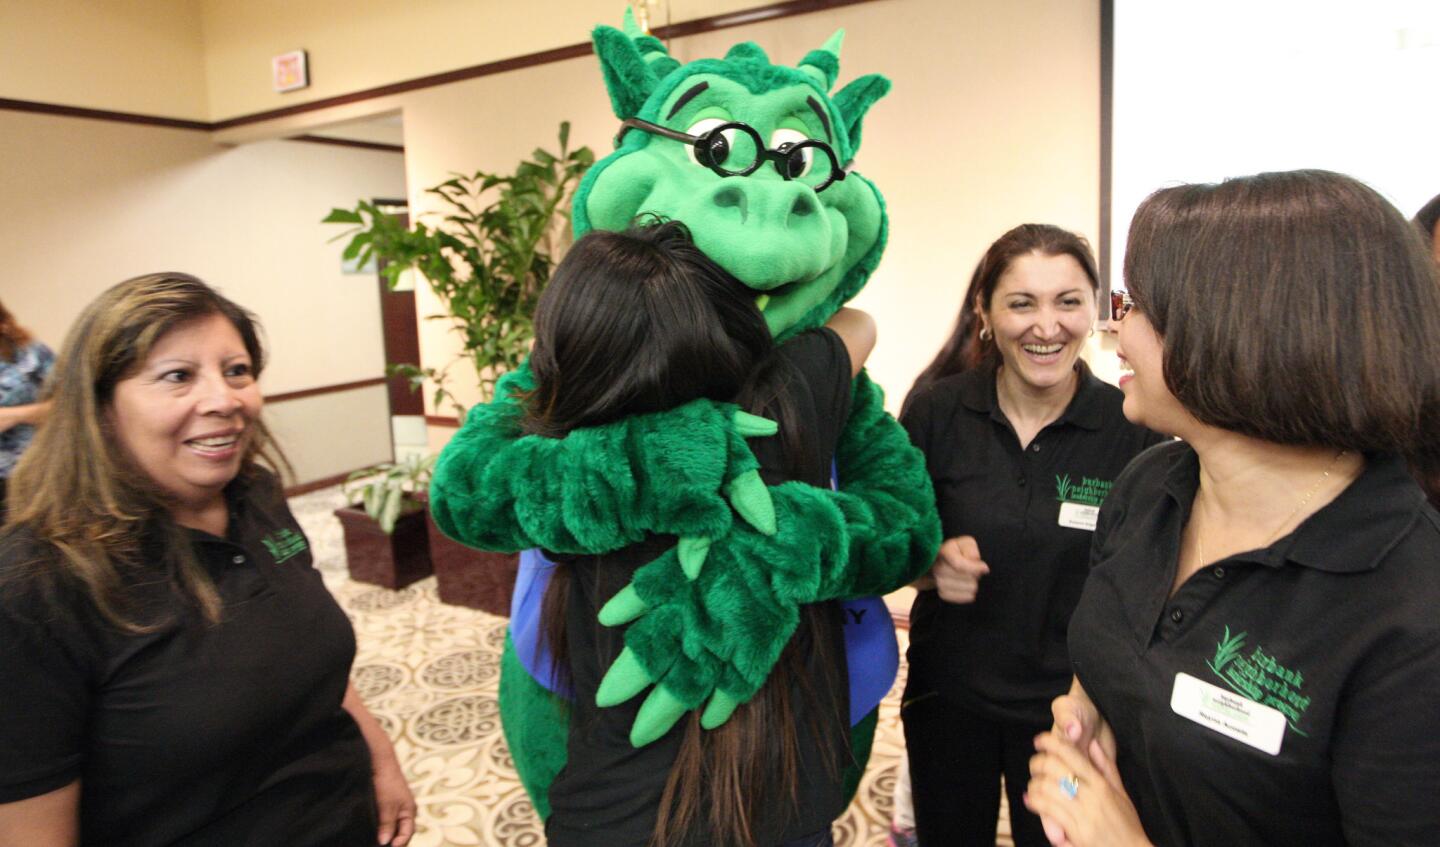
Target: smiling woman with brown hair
x,y
1022,443
173,670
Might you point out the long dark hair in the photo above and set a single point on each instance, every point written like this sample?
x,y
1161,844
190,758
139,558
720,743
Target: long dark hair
x,y
1216,268
13,336
965,350
642,321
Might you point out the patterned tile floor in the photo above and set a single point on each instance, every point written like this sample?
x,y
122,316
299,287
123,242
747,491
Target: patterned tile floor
x,y
430,673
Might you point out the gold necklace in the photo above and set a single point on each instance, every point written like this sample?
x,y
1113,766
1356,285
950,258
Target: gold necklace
x,y
1200,544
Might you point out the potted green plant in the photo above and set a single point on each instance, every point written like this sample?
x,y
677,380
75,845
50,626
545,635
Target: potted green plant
x,y
488,260
386,539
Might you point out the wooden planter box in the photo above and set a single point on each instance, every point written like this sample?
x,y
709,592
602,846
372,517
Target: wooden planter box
x,y
392,561
473,578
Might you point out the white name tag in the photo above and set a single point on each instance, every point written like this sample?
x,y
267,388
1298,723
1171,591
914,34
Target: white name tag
x,y
1228,713
1079,516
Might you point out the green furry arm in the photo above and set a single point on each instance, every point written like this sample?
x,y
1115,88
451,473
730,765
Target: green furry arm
x,y
889,502
725,631
598,489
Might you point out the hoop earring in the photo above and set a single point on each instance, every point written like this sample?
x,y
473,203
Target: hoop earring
x,y
1091,334
985,333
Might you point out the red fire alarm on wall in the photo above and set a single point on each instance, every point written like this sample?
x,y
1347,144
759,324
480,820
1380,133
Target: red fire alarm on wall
x,y
290,71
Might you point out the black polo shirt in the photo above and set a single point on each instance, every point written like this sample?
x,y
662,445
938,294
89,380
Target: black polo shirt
x,y
190,734
1004,655
1334,629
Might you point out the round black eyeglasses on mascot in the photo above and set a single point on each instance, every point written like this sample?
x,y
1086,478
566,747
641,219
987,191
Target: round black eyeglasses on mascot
x,y
718,150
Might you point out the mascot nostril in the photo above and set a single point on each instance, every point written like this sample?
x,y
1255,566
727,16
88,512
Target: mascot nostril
x,y
732,196
803,207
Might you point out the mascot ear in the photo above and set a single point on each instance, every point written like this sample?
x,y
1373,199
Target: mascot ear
x,y
855,99
628,77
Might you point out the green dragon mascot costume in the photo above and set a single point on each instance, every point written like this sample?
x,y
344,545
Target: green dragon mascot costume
x,y
755,158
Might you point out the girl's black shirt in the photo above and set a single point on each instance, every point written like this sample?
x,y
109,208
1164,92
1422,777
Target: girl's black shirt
x,y
609,792
1330,633
192,734
1032,513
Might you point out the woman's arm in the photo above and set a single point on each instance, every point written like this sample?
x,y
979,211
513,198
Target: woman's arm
x,y
50,820
857,331
392,793
30,413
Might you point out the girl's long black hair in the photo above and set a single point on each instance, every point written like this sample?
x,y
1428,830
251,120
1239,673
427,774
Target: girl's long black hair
x,y
642,321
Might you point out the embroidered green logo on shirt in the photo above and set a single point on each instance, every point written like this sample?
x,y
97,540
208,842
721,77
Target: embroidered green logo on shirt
x,y
1260,678
1088,490
284,544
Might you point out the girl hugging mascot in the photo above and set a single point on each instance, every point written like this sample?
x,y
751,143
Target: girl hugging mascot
x,y
755,159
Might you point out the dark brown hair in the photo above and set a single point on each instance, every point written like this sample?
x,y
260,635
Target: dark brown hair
x,y
1297,307
640,321
12,336
965,349
75,491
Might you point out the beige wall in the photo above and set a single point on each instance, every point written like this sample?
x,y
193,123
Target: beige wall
x,y
331,434
142,56
358,44
94,202
993,121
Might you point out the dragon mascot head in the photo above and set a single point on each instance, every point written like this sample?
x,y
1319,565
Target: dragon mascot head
x,y
754,157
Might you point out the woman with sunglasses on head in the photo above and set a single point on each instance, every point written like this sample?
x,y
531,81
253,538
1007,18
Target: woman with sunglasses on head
x,y
1257,653
1022,443
640,321
24,364
172,669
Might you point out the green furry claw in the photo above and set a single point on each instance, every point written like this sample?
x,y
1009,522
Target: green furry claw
x,y
752,501
692,550
624,607
754,426
625,679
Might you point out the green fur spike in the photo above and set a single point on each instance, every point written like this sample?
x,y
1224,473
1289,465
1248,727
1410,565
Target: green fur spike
x,y
855,99
747,51
628,77
629,25
824,64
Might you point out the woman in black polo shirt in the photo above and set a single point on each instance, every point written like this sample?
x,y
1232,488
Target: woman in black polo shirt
x,y
1257,651
172,669
1023,444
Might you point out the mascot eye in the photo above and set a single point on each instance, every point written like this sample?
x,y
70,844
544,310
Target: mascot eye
x,y
796,164
715,151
